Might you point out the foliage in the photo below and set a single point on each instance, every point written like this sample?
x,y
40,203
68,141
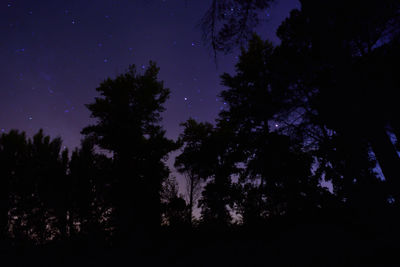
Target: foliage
x,y
128,114
227,24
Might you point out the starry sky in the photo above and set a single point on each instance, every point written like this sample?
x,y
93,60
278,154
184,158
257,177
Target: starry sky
x,y
54,53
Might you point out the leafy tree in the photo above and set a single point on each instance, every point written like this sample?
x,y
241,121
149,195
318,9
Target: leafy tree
x,y
128,114
174,206
205,157
192,161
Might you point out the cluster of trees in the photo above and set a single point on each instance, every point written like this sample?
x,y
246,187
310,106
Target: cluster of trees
x,y
48,195
45,194
316,108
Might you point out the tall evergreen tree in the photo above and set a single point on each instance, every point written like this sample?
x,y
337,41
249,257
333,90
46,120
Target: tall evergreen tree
x,y
128,114
277,176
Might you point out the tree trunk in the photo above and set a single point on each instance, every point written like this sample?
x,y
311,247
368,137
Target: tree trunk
x,y
388,158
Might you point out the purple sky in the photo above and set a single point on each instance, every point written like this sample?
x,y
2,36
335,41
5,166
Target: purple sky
x,y
56,52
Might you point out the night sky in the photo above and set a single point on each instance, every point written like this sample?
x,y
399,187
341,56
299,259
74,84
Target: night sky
x,y
54,53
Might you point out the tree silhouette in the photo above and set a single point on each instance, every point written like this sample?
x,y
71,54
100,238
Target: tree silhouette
x,y
192,161
327,58
328,64
276,178
14,156
321,106
128,114
227,24
50,175
36,173
90,173
174,206
205,157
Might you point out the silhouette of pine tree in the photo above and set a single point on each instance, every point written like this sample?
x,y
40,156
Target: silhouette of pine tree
x,y
128,113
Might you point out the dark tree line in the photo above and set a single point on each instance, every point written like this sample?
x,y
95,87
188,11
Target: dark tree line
x,y
318,107
48,195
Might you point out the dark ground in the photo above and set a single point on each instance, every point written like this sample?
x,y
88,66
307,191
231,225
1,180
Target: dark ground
x,y
278,243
